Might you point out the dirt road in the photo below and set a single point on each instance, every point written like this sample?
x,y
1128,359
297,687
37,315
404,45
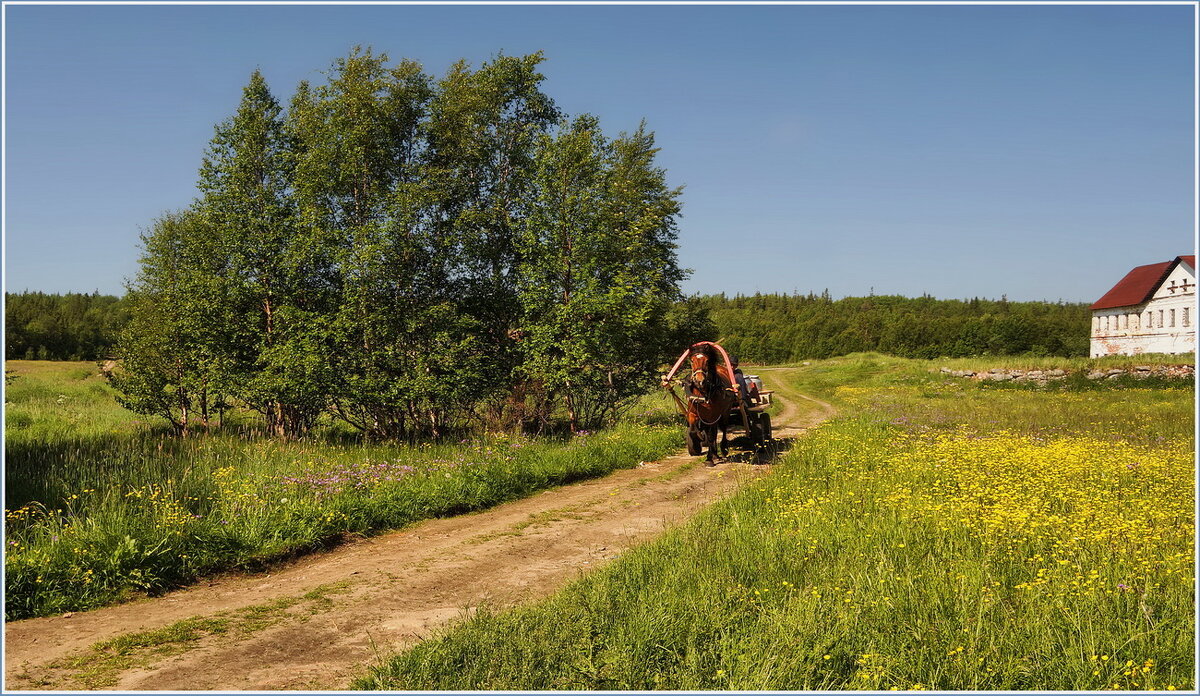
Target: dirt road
x,y
316,623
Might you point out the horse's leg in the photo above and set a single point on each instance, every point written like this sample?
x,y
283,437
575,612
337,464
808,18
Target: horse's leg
x,y
711,433
725,435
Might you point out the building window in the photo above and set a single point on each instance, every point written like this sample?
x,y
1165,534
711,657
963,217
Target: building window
x,y
1096,325
1172,324
1160,319
1137,319
1187,311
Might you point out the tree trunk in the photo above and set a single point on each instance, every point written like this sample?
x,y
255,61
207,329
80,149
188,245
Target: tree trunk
x,y
204,407
571,416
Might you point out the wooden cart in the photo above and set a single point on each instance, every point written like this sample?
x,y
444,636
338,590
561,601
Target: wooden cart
x,y
749,412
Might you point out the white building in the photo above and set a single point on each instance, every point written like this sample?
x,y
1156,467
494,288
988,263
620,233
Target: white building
x,y
1152,310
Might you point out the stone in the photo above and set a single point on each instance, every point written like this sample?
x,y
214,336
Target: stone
x,y
1057,373
1095,374
1115,371
1143,368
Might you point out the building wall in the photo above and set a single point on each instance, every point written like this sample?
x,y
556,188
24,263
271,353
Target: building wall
x,y
1164,324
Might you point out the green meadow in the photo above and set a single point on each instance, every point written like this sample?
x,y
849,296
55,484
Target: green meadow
x,y
939,533
103,505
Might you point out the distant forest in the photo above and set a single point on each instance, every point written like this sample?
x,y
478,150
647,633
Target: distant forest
x,y
74,326
759,328
785,328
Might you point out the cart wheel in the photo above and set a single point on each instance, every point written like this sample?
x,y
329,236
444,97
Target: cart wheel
x,y
694,446
764,427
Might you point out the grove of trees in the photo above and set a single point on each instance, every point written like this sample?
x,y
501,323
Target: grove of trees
x,y
780,328
71,326
403,254
406,254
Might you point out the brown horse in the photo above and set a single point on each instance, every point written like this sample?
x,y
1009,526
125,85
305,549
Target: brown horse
x,y
710,399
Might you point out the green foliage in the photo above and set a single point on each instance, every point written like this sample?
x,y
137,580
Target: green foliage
x,y
597,272
773,329
174,351
74,326
260,285
375,253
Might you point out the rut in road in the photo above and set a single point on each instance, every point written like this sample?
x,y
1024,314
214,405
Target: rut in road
x,y
317,622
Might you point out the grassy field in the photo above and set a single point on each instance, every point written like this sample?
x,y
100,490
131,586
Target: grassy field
x,y
939,534
102,505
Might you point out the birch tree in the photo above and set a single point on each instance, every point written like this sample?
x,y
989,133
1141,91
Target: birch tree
x,y
597,269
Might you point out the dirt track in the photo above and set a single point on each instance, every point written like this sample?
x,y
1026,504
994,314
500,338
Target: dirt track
x,y
375,596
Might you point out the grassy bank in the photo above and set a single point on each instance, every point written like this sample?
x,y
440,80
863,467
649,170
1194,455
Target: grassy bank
x,y
100,506
941,534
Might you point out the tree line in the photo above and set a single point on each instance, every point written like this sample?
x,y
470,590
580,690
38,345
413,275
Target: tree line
x,y
71,326
780,328
403,254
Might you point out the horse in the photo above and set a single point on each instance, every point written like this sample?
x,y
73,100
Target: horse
x,y
710,399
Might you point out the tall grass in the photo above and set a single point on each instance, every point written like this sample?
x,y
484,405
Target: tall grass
x,y
99,512
939,535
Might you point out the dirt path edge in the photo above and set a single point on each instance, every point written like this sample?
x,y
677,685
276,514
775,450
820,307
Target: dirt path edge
x,y
318,620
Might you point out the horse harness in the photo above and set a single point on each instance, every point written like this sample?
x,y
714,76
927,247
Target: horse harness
x,y
710,386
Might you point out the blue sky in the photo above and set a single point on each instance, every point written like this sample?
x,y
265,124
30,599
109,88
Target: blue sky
x,y
1038,151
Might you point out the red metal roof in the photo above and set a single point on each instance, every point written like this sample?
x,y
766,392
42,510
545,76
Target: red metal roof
x,y
1139,284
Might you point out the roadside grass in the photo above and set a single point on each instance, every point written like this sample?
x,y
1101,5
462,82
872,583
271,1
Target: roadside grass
x,y
937,535
99,513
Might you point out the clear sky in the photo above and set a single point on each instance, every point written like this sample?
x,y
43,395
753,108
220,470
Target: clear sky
x,y
1038,151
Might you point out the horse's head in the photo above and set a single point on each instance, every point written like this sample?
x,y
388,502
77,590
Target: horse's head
x,y
701,363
